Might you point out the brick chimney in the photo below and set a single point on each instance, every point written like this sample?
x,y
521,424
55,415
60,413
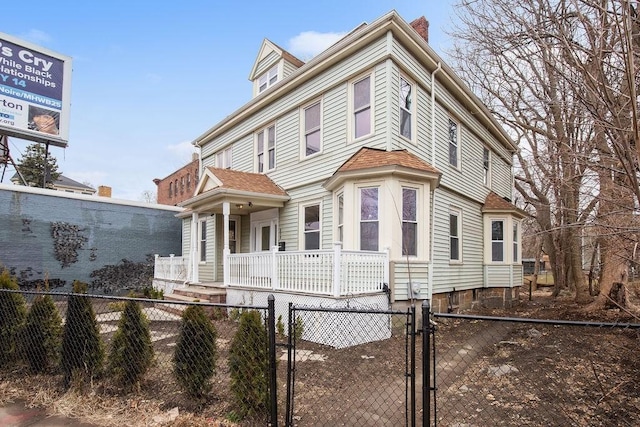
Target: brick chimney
x,y
104,191
421,25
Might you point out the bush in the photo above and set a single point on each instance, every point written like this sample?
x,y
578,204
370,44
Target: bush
x,y
43,335
196,352
82,348
249,366
131,351
13,312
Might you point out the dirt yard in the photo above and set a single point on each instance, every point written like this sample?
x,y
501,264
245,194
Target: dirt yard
x,y
487,373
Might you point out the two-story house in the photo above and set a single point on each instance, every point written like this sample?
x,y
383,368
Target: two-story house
x,y
371,170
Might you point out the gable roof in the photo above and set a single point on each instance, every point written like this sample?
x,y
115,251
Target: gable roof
x,y
267,48
226,185
373,161
496,204
357,39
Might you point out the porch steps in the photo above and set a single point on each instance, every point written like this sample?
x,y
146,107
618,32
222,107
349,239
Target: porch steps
x,y
193,293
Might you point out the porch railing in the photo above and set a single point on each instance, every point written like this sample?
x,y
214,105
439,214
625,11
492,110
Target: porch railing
x,y
171,268
327,272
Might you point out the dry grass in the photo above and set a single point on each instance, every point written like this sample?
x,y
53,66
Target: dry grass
x,y
89,405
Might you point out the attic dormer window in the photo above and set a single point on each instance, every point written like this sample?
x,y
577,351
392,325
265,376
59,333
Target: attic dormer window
x,y
268,79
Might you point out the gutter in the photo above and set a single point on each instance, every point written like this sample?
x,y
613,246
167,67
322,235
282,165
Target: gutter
x,y
433,163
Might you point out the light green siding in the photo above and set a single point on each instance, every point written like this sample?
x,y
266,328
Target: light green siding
x,y
269,61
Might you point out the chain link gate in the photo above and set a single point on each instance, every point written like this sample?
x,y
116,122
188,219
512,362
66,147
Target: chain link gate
x,y
349,366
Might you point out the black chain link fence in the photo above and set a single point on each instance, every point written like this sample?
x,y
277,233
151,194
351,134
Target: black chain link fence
x,y
527,372
351,367
207,358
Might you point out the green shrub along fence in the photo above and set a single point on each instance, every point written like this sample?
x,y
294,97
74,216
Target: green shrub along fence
x,y
190,355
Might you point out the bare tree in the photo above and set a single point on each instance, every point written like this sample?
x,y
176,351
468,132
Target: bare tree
x,y
148,196
560,75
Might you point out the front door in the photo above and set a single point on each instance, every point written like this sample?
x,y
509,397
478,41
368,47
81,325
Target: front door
x,y
264,235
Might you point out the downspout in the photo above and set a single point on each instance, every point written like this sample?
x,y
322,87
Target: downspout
x,y
433,163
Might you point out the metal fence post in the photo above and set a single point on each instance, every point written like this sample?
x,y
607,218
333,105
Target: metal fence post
x,y
413,365
273,384
426,364
290,367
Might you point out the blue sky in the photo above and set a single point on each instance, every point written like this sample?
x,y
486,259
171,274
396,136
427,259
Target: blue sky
x,y
148,78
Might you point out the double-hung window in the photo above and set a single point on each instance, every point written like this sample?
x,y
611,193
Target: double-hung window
x,y
266,149
454,146
224,158
268,79
361,107
516,242
312,129
454,236
340,217
202,240
406,108
486,166
311,226
409,221
369,226
497,240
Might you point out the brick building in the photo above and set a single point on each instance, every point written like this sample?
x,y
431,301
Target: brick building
x,y
178,186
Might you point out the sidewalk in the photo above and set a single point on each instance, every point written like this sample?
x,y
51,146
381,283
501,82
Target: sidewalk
x,y
16,414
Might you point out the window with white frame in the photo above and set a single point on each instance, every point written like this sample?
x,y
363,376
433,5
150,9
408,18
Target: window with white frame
x,y
497,240
455,226
369,225
202,240
454,146
311,230
516,242
486,166
268,79
361,107
266,149
409,221
340,217
312,118
406,108
233,235
224,158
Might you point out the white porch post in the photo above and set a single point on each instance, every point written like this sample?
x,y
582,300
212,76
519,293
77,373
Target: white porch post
x,y
337,261
226,252
275,279
194,248
172,268
386,266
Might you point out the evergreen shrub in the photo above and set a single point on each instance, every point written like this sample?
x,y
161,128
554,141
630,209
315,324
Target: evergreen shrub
x,y
196,352
13,312
82,347
43,335
131,352
249,366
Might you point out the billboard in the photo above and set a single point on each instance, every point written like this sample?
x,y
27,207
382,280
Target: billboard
x,y
35,92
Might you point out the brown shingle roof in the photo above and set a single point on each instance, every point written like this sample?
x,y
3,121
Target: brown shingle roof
x,y
495,203
247,181
367,158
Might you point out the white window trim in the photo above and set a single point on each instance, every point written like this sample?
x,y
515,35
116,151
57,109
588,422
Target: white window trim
x,y
358,206
265,130
458,144
236,218
336,215
302,233
458,212
351,128
202,222
487,173
516,245
412,110
268,75
505,240
404,186
303,134
224,158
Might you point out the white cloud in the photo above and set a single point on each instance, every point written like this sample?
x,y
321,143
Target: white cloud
x,y
36,36
183,150
308,44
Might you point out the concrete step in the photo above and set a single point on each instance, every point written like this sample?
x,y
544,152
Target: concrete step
x,y
199,293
